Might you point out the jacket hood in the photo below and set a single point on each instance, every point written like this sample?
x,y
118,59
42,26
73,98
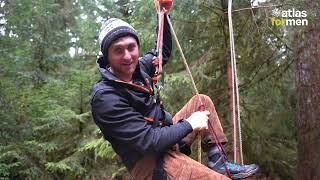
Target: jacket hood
x,y
102,67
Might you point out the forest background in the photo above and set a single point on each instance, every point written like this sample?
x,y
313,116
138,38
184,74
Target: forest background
x,y
48,50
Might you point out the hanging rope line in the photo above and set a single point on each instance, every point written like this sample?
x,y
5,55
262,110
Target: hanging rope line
x,y
234,78
184,60
161,13
235,90
202,107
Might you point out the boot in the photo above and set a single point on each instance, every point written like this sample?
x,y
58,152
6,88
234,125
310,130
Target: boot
x,y
237,171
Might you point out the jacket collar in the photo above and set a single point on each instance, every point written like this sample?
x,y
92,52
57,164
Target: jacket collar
x,y
104,72
107,75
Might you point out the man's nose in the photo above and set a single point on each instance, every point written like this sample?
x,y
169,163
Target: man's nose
x,y
127,55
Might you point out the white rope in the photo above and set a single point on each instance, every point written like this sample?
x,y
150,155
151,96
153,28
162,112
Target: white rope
x,y
184,60
235,90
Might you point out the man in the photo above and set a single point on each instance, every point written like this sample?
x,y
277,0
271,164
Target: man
x,y
148,140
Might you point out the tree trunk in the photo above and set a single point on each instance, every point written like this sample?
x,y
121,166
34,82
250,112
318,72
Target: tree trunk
x,y
308,87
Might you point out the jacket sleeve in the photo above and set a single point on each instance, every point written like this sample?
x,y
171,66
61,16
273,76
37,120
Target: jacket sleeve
x,y
146,60
121,123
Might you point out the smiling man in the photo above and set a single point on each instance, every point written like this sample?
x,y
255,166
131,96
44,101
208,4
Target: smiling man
x,y
123,57
150,143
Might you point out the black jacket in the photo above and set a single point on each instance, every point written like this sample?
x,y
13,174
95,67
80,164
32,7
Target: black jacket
x,y
128,113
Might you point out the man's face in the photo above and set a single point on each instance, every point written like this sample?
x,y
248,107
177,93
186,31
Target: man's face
x,y
123,57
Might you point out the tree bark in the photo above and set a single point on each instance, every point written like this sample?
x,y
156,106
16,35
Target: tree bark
x,y
308,88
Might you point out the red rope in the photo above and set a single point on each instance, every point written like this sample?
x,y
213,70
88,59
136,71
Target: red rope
x,y
221,150
159,47
213,133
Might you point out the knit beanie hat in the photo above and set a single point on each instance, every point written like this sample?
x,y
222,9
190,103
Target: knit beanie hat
x,y
113,29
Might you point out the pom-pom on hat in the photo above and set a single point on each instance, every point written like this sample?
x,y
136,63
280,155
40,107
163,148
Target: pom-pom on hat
x,y
113,29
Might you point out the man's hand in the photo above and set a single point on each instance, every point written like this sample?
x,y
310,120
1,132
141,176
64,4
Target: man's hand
x,y
167,4
155,61
199,120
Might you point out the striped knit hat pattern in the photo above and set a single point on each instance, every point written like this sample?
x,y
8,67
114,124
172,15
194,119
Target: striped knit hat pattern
x,y
113,29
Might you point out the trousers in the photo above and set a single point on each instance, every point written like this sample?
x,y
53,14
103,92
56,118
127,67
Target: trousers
x,y
177,165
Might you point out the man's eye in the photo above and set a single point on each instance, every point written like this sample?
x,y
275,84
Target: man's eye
x,y
131,47
118,50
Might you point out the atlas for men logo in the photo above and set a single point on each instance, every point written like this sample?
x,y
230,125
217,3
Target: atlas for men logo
x,y
290,17
276,12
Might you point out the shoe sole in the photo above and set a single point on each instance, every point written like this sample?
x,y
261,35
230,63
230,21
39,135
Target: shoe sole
x,y
244,175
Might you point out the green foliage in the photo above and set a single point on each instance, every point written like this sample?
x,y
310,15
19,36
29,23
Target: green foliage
x,y
267,89
46,127
101,148
118,174
45,92
9,161
179,83
70,166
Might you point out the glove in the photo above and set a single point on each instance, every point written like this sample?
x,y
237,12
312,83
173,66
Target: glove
x,y
199,120
166,3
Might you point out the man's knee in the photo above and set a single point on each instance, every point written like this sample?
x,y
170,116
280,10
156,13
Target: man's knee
x,y
202,97
205,97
